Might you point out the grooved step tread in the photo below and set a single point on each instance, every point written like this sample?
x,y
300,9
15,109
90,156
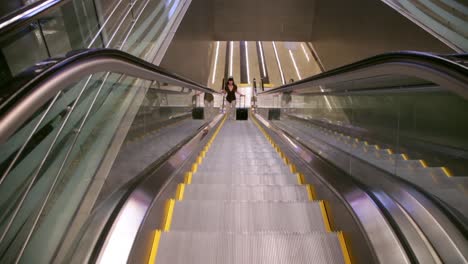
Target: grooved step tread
x,y
244,179
246,192
234,173
247,216
249,248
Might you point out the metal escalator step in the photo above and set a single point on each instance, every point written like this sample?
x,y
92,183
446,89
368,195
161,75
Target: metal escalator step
x,y
274,172
230,248
400,163
434,172
257,150
263,179
241,166
218,156
246,192
243,216
242,162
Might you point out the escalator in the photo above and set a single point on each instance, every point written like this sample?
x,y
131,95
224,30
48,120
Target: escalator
x,y
102,162
111,168
243,203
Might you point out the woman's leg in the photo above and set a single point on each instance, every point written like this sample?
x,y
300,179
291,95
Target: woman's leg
x,y
227,106
233,110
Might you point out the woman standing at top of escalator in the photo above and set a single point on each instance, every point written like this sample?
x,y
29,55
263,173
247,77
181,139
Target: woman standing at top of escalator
x,y
231,90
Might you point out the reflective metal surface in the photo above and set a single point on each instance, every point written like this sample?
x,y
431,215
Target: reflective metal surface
x,y
381,237
119,240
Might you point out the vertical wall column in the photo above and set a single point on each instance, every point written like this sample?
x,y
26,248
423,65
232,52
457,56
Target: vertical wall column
x,y
227,61
244,74
261,62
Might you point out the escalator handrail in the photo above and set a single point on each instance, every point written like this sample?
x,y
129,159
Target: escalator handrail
x,y
442,64
26,14
17,107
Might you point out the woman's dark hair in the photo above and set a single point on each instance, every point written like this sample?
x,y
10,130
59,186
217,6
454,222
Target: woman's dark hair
x,y
230,79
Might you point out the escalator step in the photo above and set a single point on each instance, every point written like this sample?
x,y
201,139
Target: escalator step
x,y
244,162
235,216
223,166
221,156
246,192
230,248
264,179
274,172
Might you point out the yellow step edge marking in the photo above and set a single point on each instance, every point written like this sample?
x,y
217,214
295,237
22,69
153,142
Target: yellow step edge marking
x,y
154,247
377,147
194,168
344,248
188,178
326,221
199,160
292,168
180,192
311,192
170,211
286,160
389,151
423,163
404,156
447,172
300,178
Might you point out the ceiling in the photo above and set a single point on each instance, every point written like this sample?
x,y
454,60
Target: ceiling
x,y
263,19
341,31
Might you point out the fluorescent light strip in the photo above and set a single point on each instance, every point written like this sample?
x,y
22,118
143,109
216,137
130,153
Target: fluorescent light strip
x,y
263,60
247,61
231,58
279,63
305,52
295,65
215,62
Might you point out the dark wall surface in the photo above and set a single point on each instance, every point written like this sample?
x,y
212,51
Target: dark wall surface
x,y
346,31
190,51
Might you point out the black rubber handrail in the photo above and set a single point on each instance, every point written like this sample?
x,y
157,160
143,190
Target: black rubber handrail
x,y
439,63
39,86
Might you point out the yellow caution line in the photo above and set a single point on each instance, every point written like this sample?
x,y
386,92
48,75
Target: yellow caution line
x,y
326,221
292,168
311,192
169,212
300,178
447,172
194,168
423,163
344,248
180,192
154,248
188,178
